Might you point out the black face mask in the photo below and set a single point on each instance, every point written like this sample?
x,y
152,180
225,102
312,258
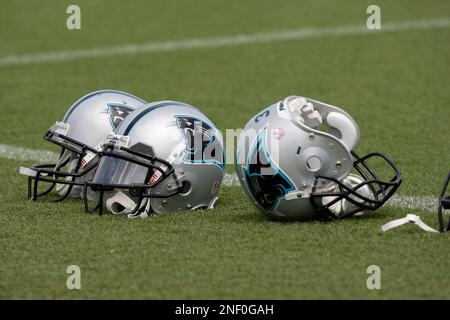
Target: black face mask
x,y
382,189
444,204
71,168
134,170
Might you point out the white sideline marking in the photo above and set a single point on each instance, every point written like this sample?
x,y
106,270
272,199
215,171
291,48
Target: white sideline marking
x,y
425,203
217,42
24,154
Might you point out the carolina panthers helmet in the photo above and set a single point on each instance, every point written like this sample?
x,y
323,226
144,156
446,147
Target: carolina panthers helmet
x,y
166,156
85,125
296,160
444,204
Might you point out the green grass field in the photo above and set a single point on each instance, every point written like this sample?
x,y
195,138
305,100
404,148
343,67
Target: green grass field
x,y
395,85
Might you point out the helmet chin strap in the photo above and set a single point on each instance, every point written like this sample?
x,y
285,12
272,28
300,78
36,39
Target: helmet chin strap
x,y
410,218
120,203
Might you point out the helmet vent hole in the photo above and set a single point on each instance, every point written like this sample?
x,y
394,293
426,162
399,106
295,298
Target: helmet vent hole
x,y
117,208
185,188
314,163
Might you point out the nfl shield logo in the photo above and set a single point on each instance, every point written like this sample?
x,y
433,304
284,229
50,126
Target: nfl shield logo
x,y
279,134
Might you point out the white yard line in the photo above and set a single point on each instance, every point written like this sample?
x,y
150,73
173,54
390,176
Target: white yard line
x,y
426,203
216,42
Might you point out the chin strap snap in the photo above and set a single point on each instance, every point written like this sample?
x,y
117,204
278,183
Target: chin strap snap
x,y
409,218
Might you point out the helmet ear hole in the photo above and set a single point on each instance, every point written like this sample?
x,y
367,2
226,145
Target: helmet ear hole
x,y
117,208
185,188
314,163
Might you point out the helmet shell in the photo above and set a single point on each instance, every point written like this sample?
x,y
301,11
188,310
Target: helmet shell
x,y
97,114
91,118
278,158
168,127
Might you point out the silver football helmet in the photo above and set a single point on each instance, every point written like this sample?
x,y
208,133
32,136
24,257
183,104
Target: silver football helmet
x,y
296,160
85,125
166,156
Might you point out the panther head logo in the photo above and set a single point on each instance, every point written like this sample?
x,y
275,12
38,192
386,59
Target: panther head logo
x,y
117,113
267,183
200,137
